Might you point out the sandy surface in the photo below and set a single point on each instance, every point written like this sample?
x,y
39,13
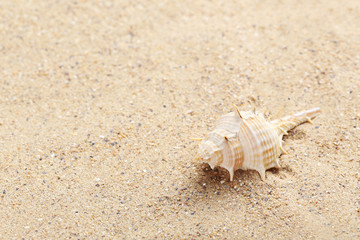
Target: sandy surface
x,y
99,100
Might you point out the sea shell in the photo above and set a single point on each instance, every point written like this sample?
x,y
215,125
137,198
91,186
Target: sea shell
x,y
245,140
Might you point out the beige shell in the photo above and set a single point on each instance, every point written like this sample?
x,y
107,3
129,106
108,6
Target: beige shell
x,y
245,140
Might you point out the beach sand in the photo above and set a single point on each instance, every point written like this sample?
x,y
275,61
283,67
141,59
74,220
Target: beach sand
x,y
99,101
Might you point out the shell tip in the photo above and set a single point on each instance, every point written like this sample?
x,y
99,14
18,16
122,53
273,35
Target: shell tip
x,y
309,120
231,175
237,110
277,164
283,151
262,175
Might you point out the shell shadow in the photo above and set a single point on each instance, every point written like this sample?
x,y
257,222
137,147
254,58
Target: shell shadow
x,y
211,187
220,174
217,180
295,134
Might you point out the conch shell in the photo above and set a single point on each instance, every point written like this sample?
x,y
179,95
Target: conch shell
x,y
245,140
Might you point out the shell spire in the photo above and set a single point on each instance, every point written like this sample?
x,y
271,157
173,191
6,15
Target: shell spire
x,y
289,122
245,140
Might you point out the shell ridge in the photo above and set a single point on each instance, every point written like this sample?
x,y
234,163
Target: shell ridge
x,y
272,147
252,151
229,122
248,146
230,155
241,136
265,150
258,143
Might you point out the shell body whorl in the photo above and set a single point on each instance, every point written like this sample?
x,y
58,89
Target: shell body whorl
x,y
245,140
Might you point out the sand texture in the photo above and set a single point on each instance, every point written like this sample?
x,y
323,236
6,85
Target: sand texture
x,y
99,101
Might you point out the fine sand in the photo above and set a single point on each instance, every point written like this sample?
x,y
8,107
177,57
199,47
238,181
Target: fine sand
x,y
99,101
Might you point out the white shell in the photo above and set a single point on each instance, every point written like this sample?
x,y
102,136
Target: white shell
x,y
245,140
